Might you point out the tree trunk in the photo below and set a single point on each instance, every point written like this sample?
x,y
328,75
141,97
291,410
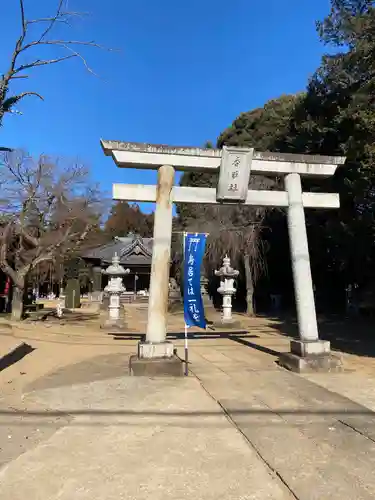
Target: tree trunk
x,y
17,303
249,288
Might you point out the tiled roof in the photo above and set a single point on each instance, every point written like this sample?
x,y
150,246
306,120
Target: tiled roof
x,y
132,250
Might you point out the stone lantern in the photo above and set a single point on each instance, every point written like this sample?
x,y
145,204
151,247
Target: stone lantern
x,y
227,276
114,289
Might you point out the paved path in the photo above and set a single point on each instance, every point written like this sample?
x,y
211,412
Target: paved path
x,y
132,438
239,427
319,443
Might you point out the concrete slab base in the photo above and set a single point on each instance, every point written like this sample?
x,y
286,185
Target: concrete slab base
x,y
111,325
316,347
156,367
227,324
149,350
93,304
312,363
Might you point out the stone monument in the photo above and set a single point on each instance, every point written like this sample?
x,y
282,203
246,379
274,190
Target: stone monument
x,y
227,276
204,293
72,294
174,291
96,294
114,289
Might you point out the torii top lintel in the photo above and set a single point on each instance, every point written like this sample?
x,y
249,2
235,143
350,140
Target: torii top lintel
x,y
152,156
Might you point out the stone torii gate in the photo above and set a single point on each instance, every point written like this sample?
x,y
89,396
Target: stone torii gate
x,y
156,355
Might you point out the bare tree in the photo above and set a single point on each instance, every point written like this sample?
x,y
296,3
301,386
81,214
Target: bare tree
x,y
47,210
36,34
246,249
235,230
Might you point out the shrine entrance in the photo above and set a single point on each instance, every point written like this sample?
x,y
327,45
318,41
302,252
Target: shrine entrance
x,y
235,166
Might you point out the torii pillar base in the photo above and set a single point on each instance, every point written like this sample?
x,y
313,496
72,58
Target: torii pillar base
x,y
156,360
230,324
310,357
114,325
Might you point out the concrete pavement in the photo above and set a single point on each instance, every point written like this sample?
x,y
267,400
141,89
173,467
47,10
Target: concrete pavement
x,y
133,438
239,427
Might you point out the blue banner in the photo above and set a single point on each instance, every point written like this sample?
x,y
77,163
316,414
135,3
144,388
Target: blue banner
x,y
194,245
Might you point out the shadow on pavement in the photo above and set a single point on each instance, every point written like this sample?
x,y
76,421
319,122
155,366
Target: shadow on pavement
x,y
257,347
181,335
349,335
16,355
359,417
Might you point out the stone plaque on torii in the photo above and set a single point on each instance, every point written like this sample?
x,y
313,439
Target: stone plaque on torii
x,y
234,165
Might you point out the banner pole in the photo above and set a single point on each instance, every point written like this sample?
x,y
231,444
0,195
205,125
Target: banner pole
x,y
186,346
186,352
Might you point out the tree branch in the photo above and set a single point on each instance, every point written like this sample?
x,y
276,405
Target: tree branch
x,y
42,258
5,79
34,242
40,62
23,19
65,44
51,251
62,43
4,265
24,270
53,20
61,19
22,45
24,94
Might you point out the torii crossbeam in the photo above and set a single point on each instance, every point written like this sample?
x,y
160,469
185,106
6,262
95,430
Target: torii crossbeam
x,y
234,166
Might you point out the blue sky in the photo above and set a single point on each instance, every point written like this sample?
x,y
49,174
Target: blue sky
x,y
183,71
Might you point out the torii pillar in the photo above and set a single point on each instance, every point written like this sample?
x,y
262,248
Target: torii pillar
x,y
156,354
